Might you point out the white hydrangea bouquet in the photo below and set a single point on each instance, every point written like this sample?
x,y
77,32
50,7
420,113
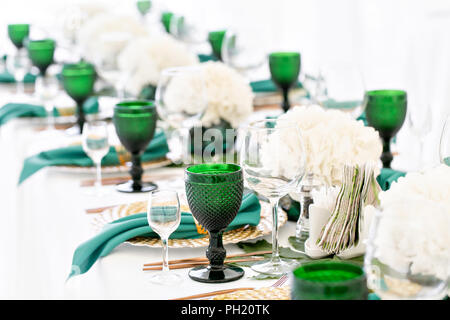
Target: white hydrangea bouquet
x,y
412,234
145,57
228,94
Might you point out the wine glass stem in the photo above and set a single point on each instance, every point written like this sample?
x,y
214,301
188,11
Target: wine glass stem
x,y
165,267
98,182
81,119
275,251
50,118
386,156
286,104
21,87
136,171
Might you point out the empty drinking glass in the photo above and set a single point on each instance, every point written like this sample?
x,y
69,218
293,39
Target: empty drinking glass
x,y
96,146
19,65
419,119
47,88
163,215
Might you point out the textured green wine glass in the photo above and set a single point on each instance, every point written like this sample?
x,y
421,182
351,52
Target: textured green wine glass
x,y
41,53
144,6
284,69
386,112
166,17
328,280
135,123
215,39
18,33
78,81
214,194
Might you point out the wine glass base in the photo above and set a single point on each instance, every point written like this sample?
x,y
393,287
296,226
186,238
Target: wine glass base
x,y
208,275
166,278
277,268
128,187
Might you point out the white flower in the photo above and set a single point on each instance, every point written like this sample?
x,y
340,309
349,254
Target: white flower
x,y
91,33
145,57
331,139
229,96
414,228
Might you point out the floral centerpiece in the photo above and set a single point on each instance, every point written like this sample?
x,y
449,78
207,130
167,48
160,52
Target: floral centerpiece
x,y
229,99
145,57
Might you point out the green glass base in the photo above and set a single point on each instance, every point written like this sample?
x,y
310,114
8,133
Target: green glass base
x,y
208,275
128,187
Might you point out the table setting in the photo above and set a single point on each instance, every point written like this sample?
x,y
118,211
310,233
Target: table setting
x,y
152,156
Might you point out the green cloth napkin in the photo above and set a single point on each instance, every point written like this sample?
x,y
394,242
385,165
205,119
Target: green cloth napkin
x,y
18,110
387,177
268,86
334,104
6,77
207,57
384,179
125,228
74,155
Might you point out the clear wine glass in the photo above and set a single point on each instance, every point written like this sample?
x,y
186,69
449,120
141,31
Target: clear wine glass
x,y
96,146
110,45
47,88
243,51
163,215
444,145
419,120
181,100
19,65
273,159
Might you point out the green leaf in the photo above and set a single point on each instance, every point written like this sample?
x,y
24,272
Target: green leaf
x,y
264,277
260,245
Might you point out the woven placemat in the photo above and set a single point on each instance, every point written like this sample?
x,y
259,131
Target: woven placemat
x,y
268,293
233,236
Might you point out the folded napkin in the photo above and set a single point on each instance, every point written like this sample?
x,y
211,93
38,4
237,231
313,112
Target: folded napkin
x,y
387,177
74,155
128,227
207,57
334,104
17,110
6,77
384,179
268,86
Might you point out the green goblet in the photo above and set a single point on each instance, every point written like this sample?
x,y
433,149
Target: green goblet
x,y
135,123
215,39
214,194
386,112
17,34
166,18
78,81
284,69
144,6
41,53
328,280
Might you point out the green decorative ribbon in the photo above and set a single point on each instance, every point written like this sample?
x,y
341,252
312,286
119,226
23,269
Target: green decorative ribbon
x,y
135,225
74,155
20,110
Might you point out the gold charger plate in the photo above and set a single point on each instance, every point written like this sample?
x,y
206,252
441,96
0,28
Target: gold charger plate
x,y
269,293
233,236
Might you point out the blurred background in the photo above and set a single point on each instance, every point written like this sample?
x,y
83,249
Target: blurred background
x,y
392,44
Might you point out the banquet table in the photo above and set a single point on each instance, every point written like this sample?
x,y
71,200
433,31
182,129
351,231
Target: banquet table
x,y
44,220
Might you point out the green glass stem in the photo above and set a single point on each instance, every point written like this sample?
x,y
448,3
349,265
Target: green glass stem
x,y
81,117
136,171
216,253
286,105
386,156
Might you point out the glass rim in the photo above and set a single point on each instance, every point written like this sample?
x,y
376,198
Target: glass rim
x,y
46,41
288,124
135,105
386,94
360,274
178,70
15,25
236,166
284,54
78,69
